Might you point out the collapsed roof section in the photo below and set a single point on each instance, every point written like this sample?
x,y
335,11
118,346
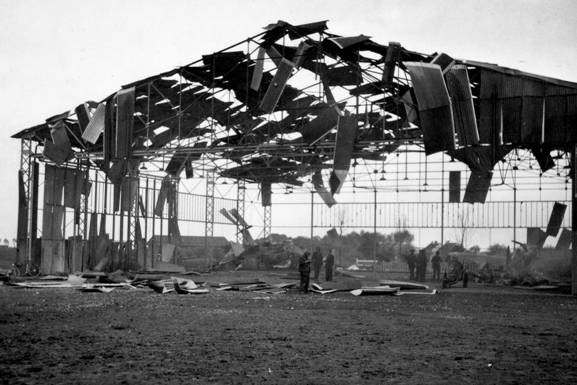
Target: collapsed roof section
x,y
293,100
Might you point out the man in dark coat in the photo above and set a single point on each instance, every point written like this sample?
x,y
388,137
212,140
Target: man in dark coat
x,y
411,260
436,263
422,265
317,262
329,266
305,271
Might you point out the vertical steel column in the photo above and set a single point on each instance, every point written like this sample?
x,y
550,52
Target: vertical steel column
x,y
267,221
443,199
24,245
375,224
209,208
574,220
312,218
240,203
131,240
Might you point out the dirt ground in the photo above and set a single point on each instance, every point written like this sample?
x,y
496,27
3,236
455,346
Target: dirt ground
x,y
478,335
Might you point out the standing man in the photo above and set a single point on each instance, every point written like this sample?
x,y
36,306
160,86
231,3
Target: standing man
x,y
305,271
329,266
317,262
436,263
422,265
411,260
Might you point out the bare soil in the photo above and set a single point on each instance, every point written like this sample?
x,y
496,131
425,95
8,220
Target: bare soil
x,y
478,335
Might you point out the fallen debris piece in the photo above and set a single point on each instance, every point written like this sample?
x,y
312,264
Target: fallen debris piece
x,y
316,288
403,285
375,290
161,286
187,286
433,292
90,288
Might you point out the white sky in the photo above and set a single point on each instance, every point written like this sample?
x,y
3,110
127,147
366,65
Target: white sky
x,y
56,54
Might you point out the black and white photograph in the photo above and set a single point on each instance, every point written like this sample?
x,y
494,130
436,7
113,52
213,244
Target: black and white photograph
x,y
288,192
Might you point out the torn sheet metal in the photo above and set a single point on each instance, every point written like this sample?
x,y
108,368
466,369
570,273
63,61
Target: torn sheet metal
x,y
444,61
82,116
124,122
565,240
375,290
478,186
59,150
316,128
344,146
276,86
258,70
436,116
391,59
95,126
454,186
556,219
301,54
458,85
74,186
327,197
349,75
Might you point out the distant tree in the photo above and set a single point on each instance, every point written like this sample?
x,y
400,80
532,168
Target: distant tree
x,y
14,242
497,249
6,242
475,249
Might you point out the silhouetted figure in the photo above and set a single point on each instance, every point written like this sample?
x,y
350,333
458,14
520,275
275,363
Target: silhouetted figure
x,y
411,260
305,271
317,262
329,266
422,265
436,264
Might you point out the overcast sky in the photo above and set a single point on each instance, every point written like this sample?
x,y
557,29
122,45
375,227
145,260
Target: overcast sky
x,y
57,54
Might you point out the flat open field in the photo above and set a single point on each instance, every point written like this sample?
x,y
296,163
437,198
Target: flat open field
x,y
479,335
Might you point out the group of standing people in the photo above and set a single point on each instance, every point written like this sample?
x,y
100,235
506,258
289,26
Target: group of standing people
x,y
418,265
305,262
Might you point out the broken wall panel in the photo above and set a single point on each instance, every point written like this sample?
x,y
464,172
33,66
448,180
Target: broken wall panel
x,y
53,254
325,195
556,219
458,85
82,115
95,126
392,57
436,116
565,240
258,70
124,122
316,128
478,186
344,146
276,87
454,186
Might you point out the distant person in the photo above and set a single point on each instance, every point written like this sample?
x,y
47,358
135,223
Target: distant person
x,y
329,266
422,266
436,263
305,271
317,262
411,260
